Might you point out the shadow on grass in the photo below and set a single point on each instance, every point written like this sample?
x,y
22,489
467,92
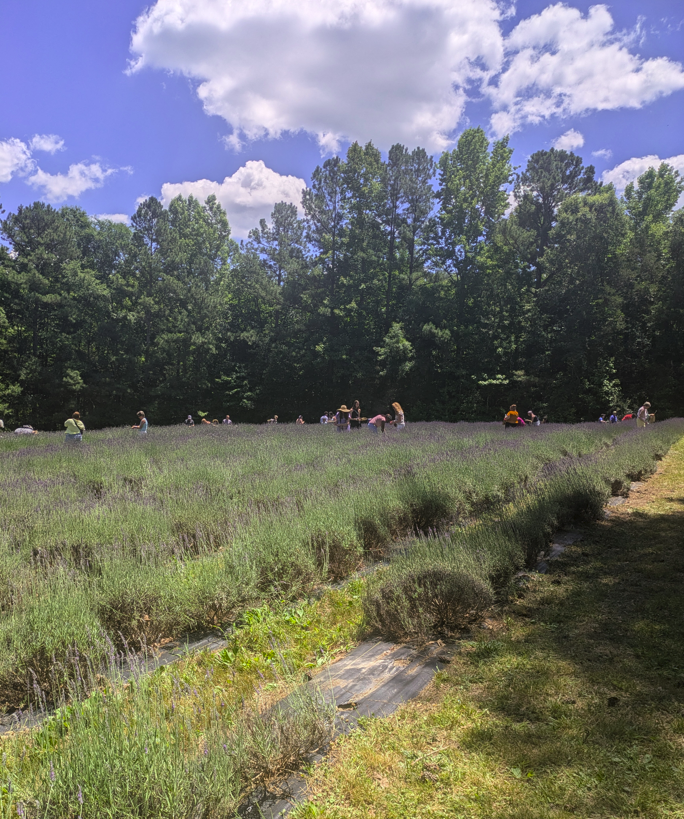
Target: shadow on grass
x,y
587,689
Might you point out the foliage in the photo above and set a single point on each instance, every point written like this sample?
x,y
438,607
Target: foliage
x,y
455,287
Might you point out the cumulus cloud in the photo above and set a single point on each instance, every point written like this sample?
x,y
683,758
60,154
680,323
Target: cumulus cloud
x,y
561,63
602,153
386,70
15,158
247,196
631,169
569,141
50,143
81,177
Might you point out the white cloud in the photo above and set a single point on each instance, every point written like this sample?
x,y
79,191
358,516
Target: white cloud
x,y
560,63
247,196
79,178
119,218
386,70
15,158
569,141
631,169
50,143
603,153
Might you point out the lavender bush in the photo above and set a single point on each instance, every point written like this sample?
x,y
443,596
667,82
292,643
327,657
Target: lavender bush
x,y
130,540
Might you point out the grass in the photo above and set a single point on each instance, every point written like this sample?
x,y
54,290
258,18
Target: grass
x,y
130,541
189,740
193,739
571,703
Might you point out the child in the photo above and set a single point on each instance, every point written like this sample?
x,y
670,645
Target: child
x,y
142,424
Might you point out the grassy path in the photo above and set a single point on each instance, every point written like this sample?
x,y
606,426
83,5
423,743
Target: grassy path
x,y
570,705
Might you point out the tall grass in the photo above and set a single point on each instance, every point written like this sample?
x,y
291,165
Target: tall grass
x,y
441,582
155,747
130,540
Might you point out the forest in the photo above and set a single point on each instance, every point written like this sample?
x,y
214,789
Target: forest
x,y
455,286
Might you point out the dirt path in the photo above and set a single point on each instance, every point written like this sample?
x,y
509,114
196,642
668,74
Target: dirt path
x,y
570,705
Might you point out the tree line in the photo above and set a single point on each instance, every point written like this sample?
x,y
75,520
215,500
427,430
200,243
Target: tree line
x,y
455,286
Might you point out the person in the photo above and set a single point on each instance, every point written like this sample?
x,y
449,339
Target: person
x,y
142,424
510,420
324,418
27,429
602,419
533,419
74,429
189,422
521,421
299,420
355,416
377,423
214,422
642,415
399,418
342,418
227,420
613,417
2,425
204,421
628,417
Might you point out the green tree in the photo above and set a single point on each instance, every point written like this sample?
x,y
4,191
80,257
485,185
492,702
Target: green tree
x,y
548,179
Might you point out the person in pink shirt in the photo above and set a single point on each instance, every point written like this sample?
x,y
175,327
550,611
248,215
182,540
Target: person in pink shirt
x,y
378,423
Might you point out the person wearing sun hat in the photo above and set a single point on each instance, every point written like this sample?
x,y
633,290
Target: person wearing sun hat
x,y
342,418
643,415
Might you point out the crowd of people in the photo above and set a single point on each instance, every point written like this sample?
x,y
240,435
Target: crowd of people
x,y
346,419
644,416
512,419
351,418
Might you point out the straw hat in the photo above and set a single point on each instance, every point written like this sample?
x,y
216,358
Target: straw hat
x,y
343,408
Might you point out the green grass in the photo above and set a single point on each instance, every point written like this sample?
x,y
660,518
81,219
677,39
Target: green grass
x,y
571,705
128,541
192,739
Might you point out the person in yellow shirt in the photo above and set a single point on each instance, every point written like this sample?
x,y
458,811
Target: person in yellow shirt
x,y
74,429
511,417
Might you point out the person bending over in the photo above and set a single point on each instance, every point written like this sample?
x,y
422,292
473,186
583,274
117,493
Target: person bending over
x,y
377,424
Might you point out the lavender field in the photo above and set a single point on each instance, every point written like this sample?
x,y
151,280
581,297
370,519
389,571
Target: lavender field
x,y
130,540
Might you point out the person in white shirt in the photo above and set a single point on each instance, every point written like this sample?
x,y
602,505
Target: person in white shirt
x,y
642,415
324,418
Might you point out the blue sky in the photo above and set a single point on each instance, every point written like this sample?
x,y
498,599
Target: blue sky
x,y
104,103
